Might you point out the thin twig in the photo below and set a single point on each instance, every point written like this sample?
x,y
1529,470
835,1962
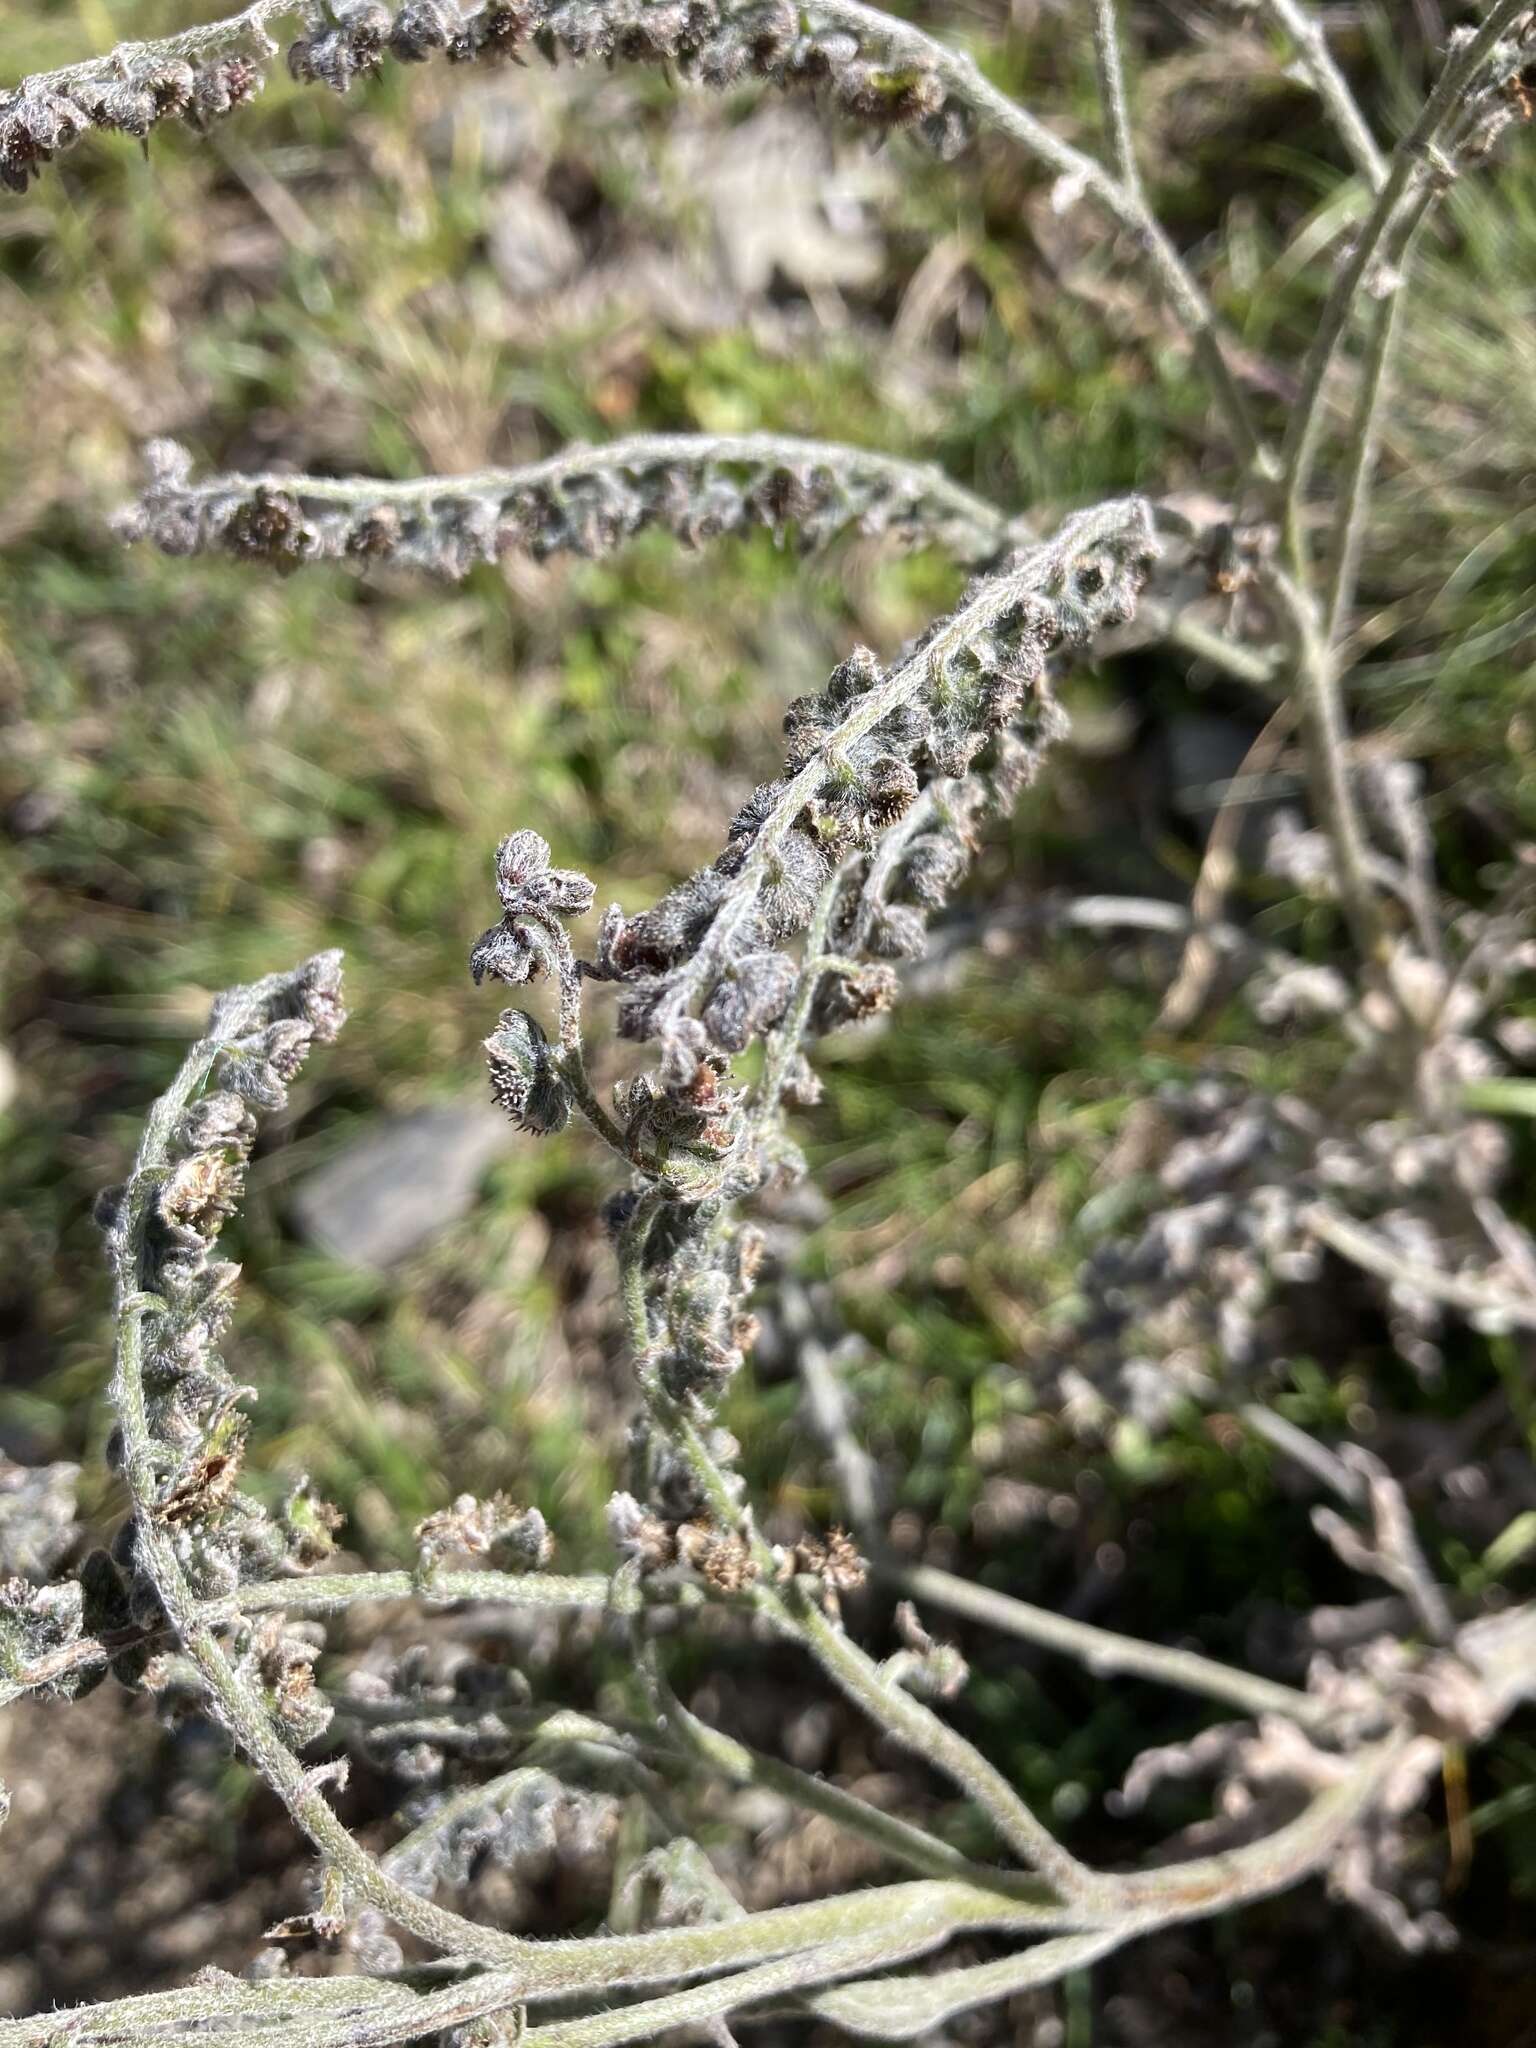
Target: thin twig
x,y
1325,734
1325,1465
231,1696
446,524
1190,989
1260,666
918,1728
893,1836
1364,1248
325,1594
1118,132
1100,1650
857,1475
1392,1554
1331,88
1354,498
1415,162
901,2008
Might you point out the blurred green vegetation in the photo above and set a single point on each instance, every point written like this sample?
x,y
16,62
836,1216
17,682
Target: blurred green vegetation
x,y
206,774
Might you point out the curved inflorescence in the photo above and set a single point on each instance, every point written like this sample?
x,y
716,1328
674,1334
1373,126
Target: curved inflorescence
x,y
827,877
202,74
584,501
182,1428
701,972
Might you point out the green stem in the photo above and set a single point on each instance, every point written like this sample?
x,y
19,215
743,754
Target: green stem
x,y
1325,739
1332,89
919,1729
1413,164
894,1837
1365,429
1112,98
1100,1650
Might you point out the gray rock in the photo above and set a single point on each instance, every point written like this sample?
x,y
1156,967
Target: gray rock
x,y
785,199
37,1518
1202,753
403,1181
532,245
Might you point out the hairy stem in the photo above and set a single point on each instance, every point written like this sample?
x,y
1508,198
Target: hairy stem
x,y
1325,738
1364,1248
919,1729
1352,515
1331,87
329,1594
178,510
1112,97
896,1838
1102,1651
1111,194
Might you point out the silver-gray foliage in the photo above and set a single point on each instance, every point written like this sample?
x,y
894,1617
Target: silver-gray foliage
x,y
824,886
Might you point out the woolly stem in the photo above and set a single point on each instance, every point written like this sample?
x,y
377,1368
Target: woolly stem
x,y
246,30
975,524
919,1729
330,1594
1325,735
1102,1651
1331,88
919,499
1112,97
1365,429
1364,1248
897,1838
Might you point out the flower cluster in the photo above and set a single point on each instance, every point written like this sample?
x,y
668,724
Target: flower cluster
x,y
36,1624
885,774
1169,1311
40,119
654,1542
703,40
829,875
176,1296
525,1078
584,502
529,1824
1245,1195
503,1534
202,74
534,896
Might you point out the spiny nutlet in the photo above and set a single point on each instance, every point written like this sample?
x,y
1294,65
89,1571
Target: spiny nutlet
x,y
525,1080
848,998
270,528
